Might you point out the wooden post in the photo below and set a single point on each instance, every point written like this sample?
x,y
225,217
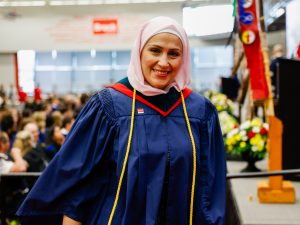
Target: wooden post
x,y
275,190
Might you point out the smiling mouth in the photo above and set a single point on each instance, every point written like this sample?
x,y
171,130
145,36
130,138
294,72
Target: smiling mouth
x,y
161,73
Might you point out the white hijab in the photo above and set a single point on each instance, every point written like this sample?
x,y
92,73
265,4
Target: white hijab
x,y
148,29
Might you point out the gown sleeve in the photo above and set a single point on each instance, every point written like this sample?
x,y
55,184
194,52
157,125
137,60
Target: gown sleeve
x,y
213,169
72,177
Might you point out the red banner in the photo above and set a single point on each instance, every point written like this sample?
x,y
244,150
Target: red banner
x,y
105,26
252,47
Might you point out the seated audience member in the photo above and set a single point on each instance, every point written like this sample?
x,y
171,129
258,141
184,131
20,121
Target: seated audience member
x,y
36,157
67,125
54,140
277,52
14,189
57,118
9,126
6,166
40,119
24,141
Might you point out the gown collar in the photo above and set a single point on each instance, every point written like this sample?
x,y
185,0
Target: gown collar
x,y
163,104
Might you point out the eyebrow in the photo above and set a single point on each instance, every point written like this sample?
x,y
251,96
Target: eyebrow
x,y
158,46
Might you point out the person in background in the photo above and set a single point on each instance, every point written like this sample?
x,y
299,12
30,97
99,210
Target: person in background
x,y
67,125
9,126
2,91
277,52
22,95
24,142
57,118
298,51
12,94
53,142
3,96
12,187
145,151
37,94
36,157
40,119
7,166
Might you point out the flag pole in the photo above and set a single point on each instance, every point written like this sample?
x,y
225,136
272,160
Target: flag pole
x,y
274,190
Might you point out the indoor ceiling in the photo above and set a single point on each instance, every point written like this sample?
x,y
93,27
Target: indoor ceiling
x,y
24,3
274,10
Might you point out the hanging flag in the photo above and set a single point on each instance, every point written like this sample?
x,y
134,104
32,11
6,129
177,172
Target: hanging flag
x,y
234,8
248,22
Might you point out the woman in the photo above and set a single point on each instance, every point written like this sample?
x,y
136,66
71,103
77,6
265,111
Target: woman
x,y
24,141
145,151
7,166
54,141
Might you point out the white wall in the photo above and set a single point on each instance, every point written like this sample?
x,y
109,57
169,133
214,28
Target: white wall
x,y
70,27
292,26
7,70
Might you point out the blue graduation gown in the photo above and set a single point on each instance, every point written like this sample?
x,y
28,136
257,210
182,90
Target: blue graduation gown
x,y
82,179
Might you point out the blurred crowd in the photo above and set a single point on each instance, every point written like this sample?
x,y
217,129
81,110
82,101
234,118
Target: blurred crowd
x,y
32,132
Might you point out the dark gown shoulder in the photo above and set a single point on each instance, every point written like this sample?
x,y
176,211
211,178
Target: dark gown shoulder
x,y
163,101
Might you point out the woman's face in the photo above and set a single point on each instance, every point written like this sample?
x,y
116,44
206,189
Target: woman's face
x,y
161,59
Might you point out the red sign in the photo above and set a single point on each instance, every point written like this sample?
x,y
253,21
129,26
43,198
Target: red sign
x,y
105,26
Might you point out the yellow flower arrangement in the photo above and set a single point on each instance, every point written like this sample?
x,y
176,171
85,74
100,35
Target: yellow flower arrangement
x,y
225,108
220,101
250,136
227,122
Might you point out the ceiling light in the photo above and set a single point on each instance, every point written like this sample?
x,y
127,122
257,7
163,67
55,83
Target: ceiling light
x,y
16,3
59,2
22,3
84,2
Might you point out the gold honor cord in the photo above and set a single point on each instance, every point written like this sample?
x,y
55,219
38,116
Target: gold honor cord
x,y
194,158
125,160
127,154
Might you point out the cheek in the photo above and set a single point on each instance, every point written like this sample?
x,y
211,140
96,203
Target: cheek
x,y
176,65
147,61
144,66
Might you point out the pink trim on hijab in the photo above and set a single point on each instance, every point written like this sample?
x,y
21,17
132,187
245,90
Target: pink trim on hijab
x,y
148,29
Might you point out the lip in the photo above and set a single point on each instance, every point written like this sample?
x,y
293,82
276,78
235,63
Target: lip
x,y
161,73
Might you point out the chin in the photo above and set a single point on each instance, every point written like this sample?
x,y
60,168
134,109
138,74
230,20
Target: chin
x,y
159,85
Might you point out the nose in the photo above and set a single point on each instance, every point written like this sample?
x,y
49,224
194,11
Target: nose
x,y
163,60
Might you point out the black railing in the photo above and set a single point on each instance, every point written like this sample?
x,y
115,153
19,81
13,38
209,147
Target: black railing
x,y
25,174
228,176
263,174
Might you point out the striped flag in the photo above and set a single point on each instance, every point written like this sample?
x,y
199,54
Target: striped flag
x,y
140,111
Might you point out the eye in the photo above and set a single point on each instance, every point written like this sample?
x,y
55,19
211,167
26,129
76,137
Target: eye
x,y
174,54
155,50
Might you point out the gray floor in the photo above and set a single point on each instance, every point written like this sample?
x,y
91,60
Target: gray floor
x,y
254,213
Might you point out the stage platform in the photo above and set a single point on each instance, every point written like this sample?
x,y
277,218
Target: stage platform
x,y
250,211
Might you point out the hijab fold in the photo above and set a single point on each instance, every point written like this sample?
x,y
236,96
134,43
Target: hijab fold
x,y
147,30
